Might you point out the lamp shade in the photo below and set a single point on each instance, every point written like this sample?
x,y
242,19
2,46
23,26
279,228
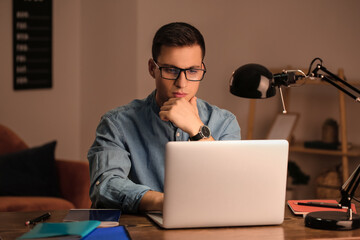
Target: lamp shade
x,y
252,81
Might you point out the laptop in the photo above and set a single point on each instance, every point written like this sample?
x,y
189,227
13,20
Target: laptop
x,y
224,183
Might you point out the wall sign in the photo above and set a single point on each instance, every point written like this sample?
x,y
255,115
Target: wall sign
x,y
32,44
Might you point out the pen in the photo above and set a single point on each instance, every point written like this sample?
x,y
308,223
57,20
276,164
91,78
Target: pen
x,y
38,219
321,204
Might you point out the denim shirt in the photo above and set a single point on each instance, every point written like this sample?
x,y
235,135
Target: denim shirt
x,y
127,157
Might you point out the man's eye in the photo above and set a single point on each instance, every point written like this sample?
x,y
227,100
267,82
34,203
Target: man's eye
x,y
171,70
192,71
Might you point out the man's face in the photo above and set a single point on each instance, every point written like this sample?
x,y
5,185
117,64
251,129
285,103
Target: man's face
x,y
181,57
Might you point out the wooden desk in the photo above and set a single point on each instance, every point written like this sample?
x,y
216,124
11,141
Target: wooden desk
x,y
140,227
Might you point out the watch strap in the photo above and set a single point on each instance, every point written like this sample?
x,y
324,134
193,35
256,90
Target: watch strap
x,y
200,135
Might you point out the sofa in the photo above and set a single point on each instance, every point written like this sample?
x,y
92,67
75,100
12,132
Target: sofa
x,y
71,178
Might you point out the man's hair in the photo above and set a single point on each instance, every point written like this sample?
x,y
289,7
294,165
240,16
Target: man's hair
x,y
177,34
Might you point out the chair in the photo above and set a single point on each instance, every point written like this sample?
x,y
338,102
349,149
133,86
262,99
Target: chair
x,y
73,178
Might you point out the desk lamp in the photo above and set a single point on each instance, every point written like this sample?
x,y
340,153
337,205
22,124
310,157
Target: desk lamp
x,y
257,82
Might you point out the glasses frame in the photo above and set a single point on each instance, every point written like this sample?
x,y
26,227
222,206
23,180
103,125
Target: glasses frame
x,y
182,70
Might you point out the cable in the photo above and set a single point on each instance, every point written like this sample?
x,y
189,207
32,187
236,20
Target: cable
x,y
312,62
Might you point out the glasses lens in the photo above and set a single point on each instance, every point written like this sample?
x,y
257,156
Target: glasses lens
x,y
170,73
194,74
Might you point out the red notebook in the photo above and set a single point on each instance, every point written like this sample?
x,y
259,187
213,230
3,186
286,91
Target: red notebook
x,y
302,210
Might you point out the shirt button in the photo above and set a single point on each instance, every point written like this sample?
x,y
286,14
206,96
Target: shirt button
x,y
178,134
97,183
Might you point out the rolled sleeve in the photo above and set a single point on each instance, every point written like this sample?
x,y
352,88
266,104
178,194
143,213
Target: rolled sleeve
x,y
110,165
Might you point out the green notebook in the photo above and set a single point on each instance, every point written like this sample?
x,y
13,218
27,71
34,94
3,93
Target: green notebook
x,y
45,230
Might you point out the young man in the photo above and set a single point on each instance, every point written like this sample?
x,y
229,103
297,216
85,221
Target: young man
x,y
127,156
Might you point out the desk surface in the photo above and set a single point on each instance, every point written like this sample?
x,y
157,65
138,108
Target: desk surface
x,y
140,227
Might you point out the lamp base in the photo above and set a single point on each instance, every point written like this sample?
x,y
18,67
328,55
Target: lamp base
x,y
332,220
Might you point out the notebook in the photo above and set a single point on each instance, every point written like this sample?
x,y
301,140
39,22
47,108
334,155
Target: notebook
x,y
68,230
224,183
298,209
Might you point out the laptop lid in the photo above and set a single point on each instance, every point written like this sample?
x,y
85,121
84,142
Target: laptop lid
x,y
224,183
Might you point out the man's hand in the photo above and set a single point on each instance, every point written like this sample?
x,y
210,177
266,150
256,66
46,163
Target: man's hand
x,y
184,114
152,201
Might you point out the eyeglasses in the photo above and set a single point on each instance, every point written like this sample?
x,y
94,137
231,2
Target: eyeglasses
x,y
173,73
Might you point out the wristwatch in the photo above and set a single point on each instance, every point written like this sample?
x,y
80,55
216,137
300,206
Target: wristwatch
x,y
204,132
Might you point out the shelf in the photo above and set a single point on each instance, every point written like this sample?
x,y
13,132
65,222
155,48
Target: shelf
x,y
354,151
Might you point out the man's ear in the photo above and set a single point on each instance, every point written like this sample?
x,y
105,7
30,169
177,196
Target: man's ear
x,y
151,67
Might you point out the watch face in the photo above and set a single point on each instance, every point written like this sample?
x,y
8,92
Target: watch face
x,y
205,130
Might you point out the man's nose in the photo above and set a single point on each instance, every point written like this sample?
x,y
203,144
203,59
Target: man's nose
x,y
181,81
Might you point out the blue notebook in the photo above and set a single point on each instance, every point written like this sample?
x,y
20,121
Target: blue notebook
x,y
107,217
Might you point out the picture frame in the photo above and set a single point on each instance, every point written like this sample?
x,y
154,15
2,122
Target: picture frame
x,y
32,44
283,126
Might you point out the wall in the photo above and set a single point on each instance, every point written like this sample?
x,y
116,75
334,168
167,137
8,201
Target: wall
x,y
39,116
108,61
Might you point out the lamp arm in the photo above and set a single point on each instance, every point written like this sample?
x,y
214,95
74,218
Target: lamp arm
x,y
331,81
349,188
355,182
